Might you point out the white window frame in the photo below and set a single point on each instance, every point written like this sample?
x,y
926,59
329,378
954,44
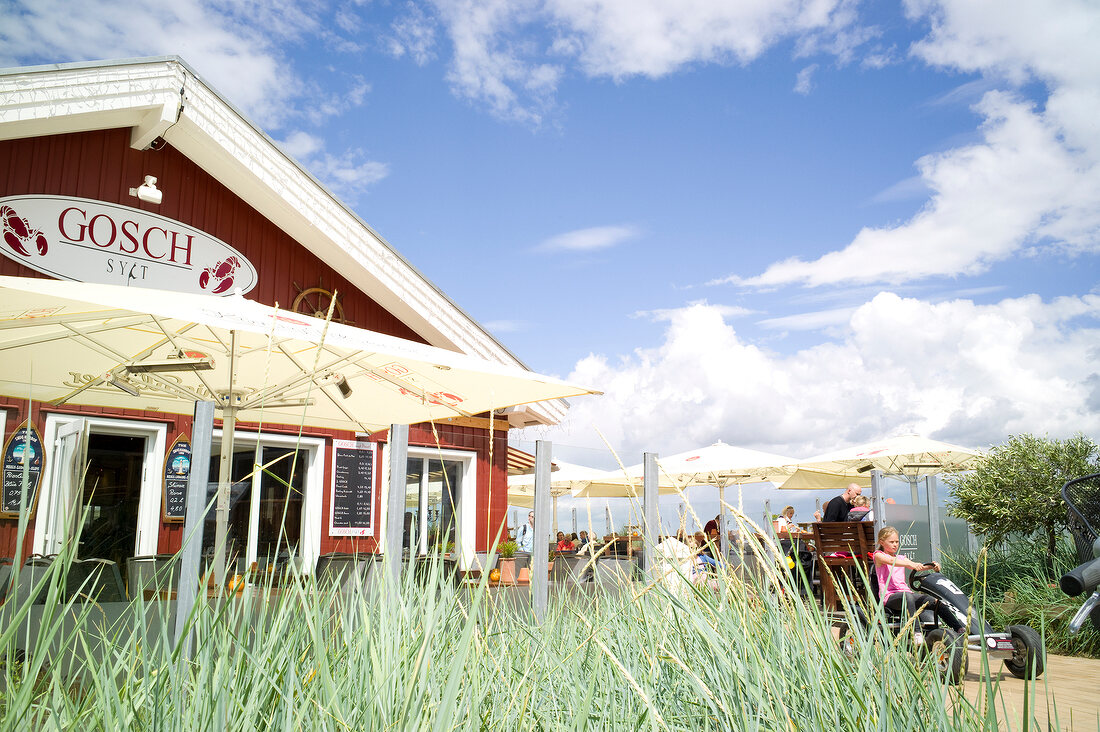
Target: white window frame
x,y
466,507
147,539
309,543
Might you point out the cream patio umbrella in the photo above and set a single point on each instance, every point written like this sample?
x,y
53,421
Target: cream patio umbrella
x,y
110,346
578,481
564,478
910,456
722,465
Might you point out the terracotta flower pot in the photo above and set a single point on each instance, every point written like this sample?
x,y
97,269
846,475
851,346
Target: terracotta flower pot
x,y
507,569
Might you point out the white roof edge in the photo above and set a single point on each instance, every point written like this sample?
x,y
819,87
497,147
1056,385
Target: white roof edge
x,y
168,98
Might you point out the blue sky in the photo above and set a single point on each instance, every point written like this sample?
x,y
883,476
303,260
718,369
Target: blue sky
x,y
790,225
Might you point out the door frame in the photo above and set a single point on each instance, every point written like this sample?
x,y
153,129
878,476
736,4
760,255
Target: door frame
x,y
147,530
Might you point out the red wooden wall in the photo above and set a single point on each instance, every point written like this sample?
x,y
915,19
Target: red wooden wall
x,y
101,165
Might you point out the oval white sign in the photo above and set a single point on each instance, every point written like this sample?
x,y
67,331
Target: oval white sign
x,y
95,241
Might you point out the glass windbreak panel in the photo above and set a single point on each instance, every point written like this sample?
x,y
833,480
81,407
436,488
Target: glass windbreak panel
x,y
955,537
912,525
282,486
110,497
443,492
414,474
240,498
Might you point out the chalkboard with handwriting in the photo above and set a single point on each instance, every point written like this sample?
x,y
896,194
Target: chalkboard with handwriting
x,y
352,488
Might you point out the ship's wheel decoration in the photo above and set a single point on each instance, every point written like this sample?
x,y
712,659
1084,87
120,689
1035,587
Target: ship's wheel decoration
x,y
315,301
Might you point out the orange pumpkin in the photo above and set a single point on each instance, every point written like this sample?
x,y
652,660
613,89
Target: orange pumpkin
x,y
494,575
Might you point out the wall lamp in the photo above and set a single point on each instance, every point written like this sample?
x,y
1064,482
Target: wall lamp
x,y
147,191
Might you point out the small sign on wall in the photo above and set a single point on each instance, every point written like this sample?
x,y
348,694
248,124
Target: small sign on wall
x,y
177,471
23,454
352,512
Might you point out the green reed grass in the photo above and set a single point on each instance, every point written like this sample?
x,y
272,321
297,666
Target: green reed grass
x,y
1014,584
750,654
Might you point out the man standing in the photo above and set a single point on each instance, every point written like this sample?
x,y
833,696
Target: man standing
x,y
838,508
525,542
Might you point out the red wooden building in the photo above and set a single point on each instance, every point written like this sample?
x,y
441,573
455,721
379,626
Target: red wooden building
x,y
89,133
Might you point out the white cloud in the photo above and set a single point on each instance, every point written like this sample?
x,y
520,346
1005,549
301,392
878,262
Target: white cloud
x,y
804,82
958,371
1023,185
413,34
511,54
1034,180
816,320
347,174
914,187
300,145
584,240
668,314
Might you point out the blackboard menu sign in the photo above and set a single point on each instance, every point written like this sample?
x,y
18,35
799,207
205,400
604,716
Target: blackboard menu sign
x,y
352,489
177,469
23,449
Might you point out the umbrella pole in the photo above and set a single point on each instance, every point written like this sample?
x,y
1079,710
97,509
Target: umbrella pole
x,y
225,466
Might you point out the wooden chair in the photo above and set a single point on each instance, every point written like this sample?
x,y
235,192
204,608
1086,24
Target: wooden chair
x,y
842,544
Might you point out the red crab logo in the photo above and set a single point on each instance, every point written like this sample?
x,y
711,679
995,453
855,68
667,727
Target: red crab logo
x,y
440,398
18,233
220,275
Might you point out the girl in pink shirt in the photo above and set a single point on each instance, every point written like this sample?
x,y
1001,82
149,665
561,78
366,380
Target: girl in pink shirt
x,y
895,592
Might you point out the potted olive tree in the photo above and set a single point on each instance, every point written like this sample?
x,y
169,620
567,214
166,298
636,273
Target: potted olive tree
x,y
506,562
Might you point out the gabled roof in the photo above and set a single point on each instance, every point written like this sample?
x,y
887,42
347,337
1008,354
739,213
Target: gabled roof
x,y
163,97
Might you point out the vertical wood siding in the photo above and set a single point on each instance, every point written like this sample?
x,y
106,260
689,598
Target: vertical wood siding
x,y
101,165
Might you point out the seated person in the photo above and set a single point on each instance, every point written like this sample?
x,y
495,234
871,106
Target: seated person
x,y
861,509
895,593
711,528
564,544
582,542
837,509
706,551
784,523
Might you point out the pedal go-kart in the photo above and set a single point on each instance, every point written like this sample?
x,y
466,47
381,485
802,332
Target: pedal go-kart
x,y
1019,646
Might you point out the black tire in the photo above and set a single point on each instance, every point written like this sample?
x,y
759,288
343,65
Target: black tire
x,y
947,650
1028,660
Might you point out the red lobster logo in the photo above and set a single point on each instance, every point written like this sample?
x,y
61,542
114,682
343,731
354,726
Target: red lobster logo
x,y
220,275
18,233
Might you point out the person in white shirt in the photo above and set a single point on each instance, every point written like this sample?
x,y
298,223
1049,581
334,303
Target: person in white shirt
x,y
525,536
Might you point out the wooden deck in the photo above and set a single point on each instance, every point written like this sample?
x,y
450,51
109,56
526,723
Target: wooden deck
x,y
1066,696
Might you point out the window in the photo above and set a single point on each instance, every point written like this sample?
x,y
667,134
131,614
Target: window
x,y
274,511
440,496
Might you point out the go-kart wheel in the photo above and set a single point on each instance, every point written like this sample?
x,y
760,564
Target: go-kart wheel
x,y
947,650
1027,660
